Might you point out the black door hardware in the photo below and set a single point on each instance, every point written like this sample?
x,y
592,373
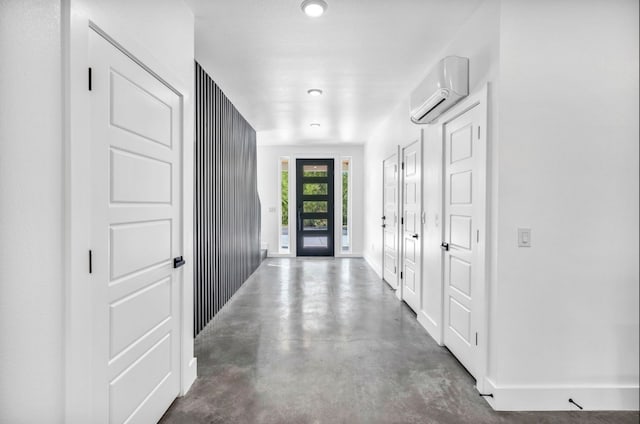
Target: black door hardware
x,y
445,246
415,236
178,262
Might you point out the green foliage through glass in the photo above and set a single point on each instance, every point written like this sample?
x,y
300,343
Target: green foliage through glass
x,y
284,195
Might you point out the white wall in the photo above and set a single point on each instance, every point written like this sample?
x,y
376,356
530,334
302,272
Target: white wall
x,y
563,160
479,41
31,212
567,308
165,28
269,187
32,179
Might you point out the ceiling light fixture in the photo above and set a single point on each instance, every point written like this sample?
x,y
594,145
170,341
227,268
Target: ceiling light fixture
x,y
315,92
314,8
314,125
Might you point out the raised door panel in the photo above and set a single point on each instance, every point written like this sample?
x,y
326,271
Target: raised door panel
x,y
139,245
135,109
139,179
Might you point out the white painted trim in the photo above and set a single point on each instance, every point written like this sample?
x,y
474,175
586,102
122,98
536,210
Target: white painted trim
x,y
433,329
76,122
376,267
350,255
280,255
556,398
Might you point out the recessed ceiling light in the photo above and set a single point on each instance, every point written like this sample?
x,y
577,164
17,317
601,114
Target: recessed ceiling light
x,y
314,8
314,125
315,92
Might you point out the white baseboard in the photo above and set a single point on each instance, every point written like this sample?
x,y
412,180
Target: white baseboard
x,y
349,255
432,328
391,286
556,398
191,373
374,265
279,255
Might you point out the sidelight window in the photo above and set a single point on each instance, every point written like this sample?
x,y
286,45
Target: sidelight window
x,y
346,205
283,226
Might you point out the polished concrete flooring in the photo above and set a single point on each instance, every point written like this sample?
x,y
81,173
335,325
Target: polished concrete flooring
x,y
325,341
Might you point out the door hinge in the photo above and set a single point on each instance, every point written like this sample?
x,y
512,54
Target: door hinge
x,y
90,79
401,275
402,221
477,236
395,269
478,132
403,166
476,339
90,262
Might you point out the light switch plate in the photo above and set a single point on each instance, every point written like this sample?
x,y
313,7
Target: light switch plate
x,y
524,237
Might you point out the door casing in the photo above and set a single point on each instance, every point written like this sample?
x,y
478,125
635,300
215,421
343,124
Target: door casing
x,y
77,197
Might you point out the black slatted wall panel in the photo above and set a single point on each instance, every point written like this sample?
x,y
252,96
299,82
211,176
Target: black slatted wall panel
x,y
227,208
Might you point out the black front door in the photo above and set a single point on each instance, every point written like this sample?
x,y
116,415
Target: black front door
x,y
314,209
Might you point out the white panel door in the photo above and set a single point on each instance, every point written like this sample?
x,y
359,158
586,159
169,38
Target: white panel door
x,y
390,220
411,278
464,200
135,234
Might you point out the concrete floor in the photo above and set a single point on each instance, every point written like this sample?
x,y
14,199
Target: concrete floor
x,y
325,341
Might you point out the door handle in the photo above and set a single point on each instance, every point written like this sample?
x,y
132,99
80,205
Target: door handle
x,y
299,218
384,217
415,236
178,262
444,246
384,226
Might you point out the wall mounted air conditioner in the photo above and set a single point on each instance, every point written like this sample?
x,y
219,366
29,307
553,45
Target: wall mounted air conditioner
x,y
445,86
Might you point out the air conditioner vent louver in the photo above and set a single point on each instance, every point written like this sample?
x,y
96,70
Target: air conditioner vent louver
x,y
445,85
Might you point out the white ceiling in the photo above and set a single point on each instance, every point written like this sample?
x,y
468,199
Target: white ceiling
x,y
366,55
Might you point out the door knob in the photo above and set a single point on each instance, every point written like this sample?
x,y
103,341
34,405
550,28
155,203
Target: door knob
x,y
445,246
415,236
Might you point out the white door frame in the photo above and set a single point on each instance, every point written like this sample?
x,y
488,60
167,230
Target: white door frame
x,y
77,195
476,100
395,285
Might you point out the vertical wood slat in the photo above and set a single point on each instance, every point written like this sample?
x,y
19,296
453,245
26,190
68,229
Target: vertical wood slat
x,y
226,203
